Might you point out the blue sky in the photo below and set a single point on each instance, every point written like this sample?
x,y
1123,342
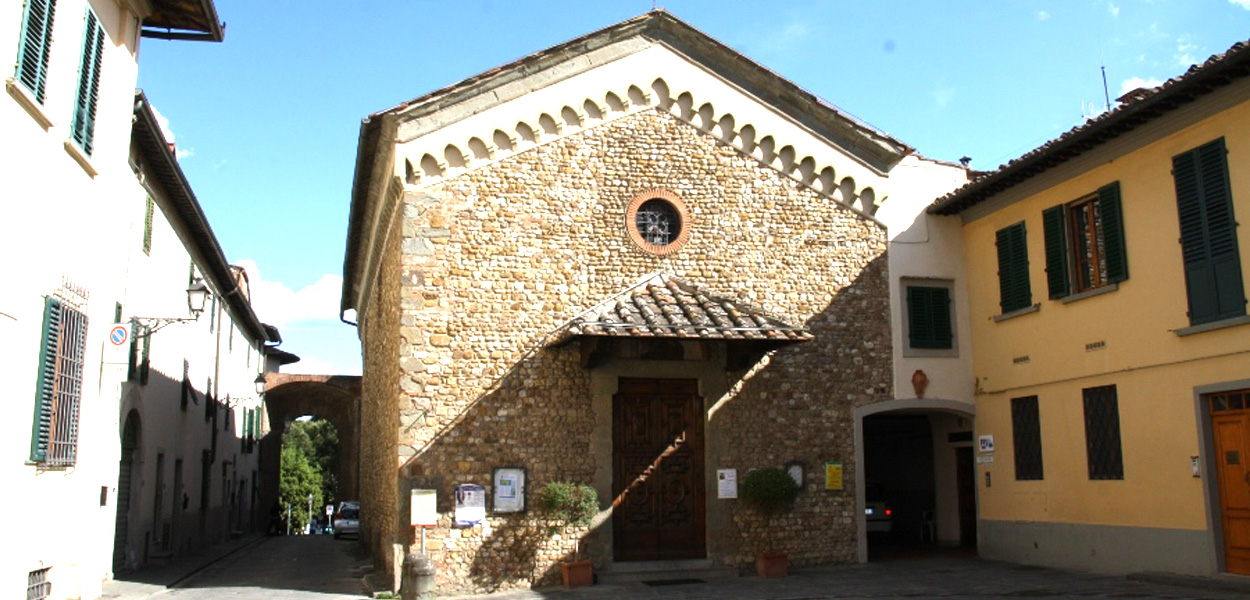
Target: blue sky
x,y
267,122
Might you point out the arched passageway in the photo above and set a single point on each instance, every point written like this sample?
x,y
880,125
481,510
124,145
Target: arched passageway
x,y
335,398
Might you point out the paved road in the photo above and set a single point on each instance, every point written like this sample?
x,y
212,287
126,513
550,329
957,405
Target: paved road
x,y
321,568
281,568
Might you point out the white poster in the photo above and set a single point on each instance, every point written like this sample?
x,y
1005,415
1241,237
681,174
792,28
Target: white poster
x,y
726,483
470,504
509,489
425,508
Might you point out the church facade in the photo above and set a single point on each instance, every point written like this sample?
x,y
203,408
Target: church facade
x,y
638,261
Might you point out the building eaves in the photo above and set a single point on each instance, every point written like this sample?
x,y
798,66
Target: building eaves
x,y
188,216
194,20
1216,73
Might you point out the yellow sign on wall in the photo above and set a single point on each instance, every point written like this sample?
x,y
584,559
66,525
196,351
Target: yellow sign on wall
x,y
833,476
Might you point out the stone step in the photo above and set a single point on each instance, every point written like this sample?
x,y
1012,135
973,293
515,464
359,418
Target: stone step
x,y
663,570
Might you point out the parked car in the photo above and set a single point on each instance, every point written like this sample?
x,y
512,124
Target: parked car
x,y
347,519
877,511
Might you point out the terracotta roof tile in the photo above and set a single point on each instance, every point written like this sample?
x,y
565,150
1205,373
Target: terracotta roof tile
x,y
1142,106
661,306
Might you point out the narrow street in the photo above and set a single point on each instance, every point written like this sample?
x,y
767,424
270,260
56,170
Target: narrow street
x,y
281,568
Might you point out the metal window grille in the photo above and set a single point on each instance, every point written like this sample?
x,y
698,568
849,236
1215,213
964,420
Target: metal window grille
x,y
38,587
658,222
1026,430
1102,433
55,442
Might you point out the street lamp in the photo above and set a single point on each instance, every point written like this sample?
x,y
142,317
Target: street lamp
x,y
310,498
197,295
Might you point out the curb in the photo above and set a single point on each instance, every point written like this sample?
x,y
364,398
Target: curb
x,y
1223,582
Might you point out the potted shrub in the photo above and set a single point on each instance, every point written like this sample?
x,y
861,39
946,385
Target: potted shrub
x,y
572,504
770,491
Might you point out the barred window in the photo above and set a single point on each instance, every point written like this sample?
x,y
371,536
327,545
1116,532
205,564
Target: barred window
x,y
38,587
1102,433
1026,431
54,439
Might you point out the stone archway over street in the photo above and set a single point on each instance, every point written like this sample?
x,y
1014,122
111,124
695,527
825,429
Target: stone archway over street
x,y
335,398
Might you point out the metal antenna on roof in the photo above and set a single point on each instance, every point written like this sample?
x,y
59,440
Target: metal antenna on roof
x,y
1105,94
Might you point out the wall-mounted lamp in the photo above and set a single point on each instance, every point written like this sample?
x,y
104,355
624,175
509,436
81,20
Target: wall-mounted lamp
x,y
260,384
197,296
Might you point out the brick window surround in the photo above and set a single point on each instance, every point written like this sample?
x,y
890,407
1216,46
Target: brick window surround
x,y
674,202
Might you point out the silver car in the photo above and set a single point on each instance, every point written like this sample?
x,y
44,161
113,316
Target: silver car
x,y
347,519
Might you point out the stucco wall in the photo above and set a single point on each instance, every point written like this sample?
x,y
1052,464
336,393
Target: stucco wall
x,y
1126,337
497,258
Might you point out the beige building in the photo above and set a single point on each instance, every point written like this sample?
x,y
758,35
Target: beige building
x,y
103,240
636,260
1109,334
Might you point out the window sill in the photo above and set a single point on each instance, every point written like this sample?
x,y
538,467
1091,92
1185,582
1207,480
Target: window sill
x,y
1098,291
28,102
82,159
1020,312
1212,326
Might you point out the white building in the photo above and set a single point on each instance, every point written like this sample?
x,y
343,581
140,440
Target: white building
x,y
81,204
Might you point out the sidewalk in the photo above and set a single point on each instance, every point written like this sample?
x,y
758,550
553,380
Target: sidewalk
x,y
154,579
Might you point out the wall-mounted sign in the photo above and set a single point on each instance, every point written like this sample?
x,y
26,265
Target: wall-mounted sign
x,y
424,508
833,476
726,484
509,485
986,443
796,472
470,504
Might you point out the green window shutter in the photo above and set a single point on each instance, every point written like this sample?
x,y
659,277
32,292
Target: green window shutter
x,y
1213,278
132,367
1055,235
45,387
1113,232
36,47
88,84
145,362
147,226
928,312
1013,268
186,384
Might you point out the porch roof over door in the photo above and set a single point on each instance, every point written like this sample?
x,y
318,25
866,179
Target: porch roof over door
x,y
661,306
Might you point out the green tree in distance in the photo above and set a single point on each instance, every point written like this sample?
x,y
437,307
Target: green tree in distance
x,y
309,449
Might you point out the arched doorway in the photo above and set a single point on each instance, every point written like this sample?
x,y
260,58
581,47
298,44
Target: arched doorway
x,y
917,489
130,445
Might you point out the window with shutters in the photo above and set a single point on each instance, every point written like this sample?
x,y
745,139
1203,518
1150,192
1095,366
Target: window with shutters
x,y
54,436
1026,434
149,212
35,46
1102,433
1013,269
1213,281
928,323
1085,244
83,128
140,353
187,392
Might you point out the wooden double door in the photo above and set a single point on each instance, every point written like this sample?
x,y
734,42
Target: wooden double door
x,y
1230,415
657,474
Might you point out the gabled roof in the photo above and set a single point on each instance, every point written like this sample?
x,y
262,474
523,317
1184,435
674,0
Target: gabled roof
x,y
417,117
187,215
662,306
1138,109
194,20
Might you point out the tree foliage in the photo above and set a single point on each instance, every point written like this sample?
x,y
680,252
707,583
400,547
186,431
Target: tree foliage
x,y
309,449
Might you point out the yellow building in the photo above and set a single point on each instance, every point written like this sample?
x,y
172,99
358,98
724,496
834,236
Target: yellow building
x,y
1111,345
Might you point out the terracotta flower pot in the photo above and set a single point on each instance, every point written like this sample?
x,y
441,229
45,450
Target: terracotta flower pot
x,y
577,573
771,564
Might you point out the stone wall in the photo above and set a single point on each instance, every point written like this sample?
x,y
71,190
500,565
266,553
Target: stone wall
x,y
498,258
379,412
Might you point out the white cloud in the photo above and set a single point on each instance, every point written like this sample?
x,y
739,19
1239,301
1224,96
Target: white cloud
x,y
782,42
1043,15
1184,51
1242,3
942,94
163,122
279,305
1133,83
1114,9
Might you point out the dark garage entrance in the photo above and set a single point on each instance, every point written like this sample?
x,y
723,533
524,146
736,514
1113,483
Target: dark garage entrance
x,y
913,468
